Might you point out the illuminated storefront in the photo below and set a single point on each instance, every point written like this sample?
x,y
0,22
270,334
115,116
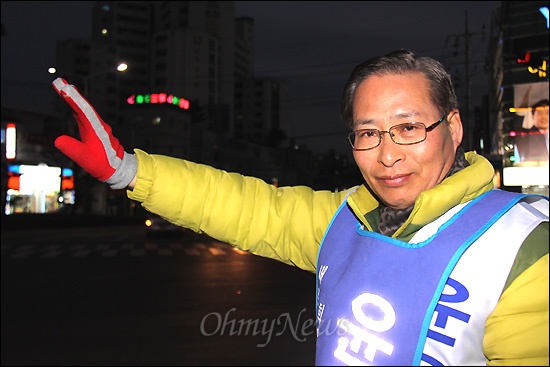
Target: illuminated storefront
x,y
33,183
38,189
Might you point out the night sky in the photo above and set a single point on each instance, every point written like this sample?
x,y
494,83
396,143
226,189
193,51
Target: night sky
x,y
313,45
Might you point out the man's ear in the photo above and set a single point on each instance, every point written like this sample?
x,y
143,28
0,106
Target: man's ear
x,y
455,126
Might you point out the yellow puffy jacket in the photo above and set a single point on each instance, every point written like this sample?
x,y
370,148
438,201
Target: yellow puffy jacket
x,y
288,224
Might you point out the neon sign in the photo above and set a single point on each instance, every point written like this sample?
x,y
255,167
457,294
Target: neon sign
x,y
541,70
154,98
544,12
11,141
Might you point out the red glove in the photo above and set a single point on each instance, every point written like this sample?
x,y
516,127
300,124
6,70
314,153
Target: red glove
x,y
99,153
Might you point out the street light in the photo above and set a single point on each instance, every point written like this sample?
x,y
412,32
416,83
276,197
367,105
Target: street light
x,y
122,67
86,78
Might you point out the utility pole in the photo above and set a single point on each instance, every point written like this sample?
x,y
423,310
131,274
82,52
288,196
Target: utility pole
x,y
467,119
467,40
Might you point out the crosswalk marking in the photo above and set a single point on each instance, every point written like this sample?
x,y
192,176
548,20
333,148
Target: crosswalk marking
x,y
21,254
81,253
109,253
137,252
192,251
165,252
216,251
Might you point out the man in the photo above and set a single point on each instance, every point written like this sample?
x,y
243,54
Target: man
x,y
540,115
532,144
423,263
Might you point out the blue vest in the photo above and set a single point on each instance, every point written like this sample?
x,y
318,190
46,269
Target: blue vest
x,y
377,295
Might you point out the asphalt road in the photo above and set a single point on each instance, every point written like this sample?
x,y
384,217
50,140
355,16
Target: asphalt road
x,y
112,296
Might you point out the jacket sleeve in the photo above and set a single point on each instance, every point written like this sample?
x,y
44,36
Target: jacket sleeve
x,y
517,333
285,224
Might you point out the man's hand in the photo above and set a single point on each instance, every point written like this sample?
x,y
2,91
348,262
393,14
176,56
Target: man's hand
x,y
99,153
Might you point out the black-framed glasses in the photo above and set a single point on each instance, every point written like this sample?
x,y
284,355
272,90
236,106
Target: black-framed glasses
x,y
403,134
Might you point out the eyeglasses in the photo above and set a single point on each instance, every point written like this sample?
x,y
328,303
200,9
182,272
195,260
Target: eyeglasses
x,y
402,134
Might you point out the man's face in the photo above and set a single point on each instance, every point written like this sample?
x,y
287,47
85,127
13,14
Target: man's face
x,y
399,173
541,117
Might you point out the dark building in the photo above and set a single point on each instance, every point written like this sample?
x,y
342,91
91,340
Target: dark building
x,y
518,69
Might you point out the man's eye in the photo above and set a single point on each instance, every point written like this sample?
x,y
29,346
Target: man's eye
x,y
409,127
368,133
